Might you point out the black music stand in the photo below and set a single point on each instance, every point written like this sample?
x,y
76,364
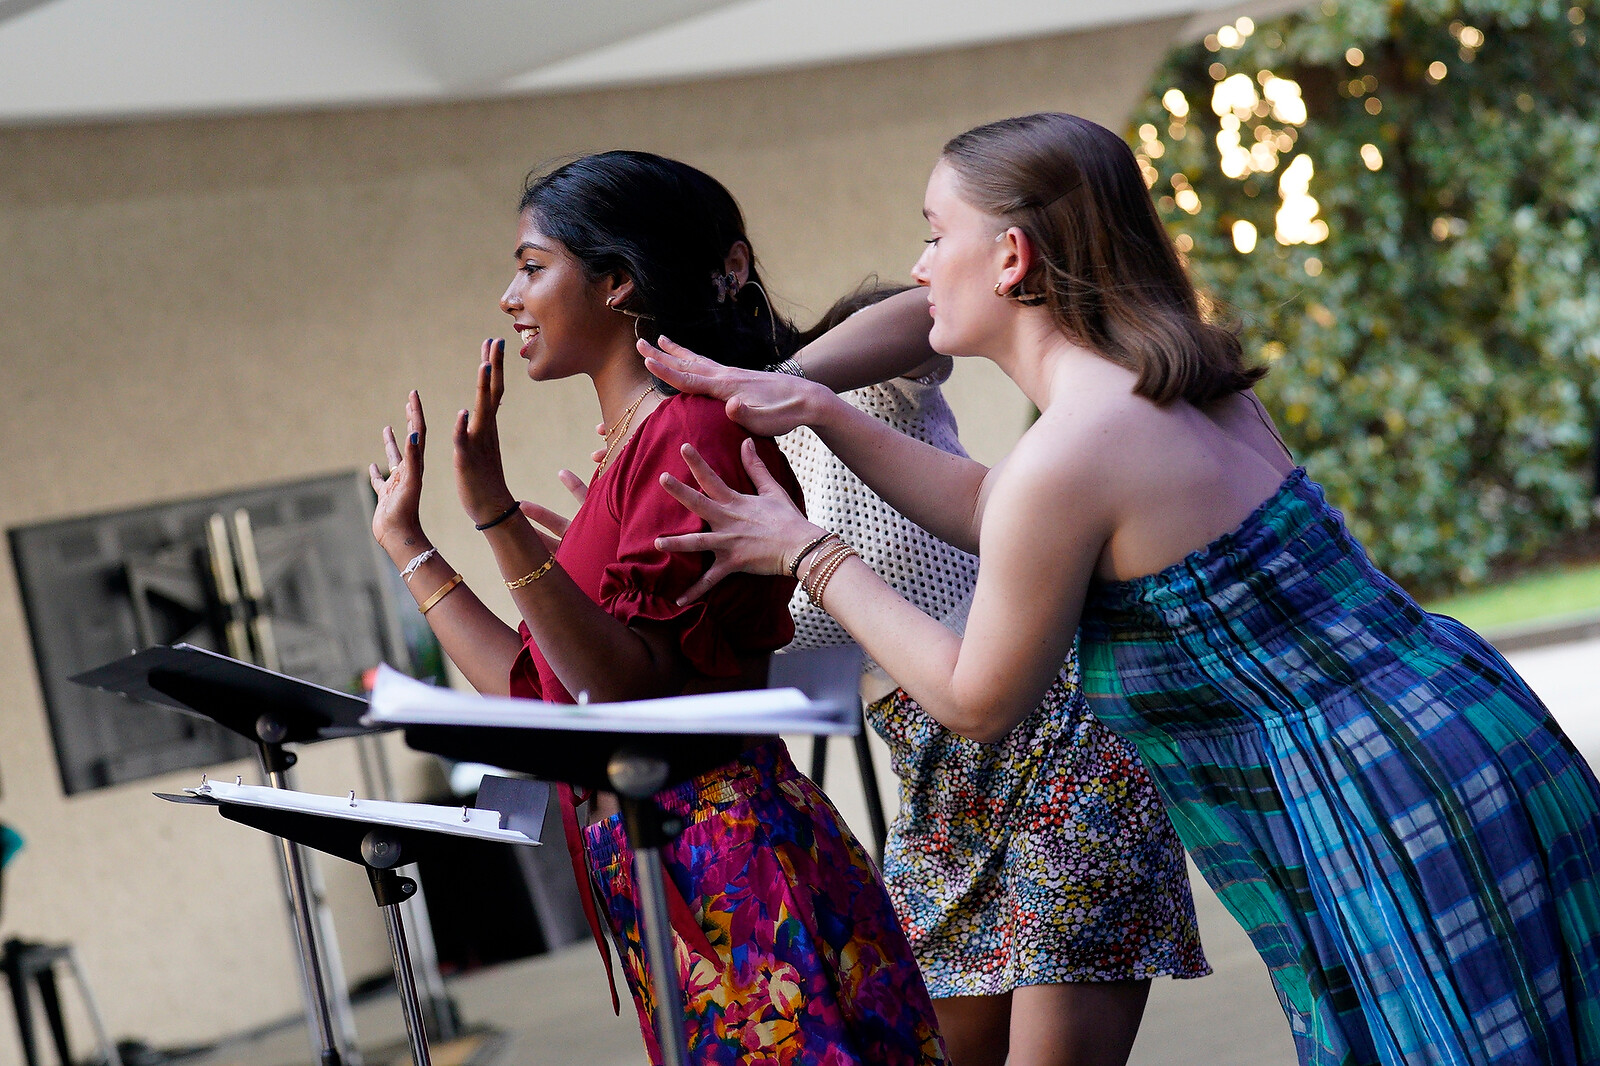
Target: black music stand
x,y
630,754
271,710
381,837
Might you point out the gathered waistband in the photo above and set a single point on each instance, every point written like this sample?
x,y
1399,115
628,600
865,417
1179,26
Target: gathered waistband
x,y
755,770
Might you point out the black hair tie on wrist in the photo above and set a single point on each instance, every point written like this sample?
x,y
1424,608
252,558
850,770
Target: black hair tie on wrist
x,y
513,509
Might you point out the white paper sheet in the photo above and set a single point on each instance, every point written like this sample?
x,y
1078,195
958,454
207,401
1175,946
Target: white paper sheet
x,y
456,821
397,700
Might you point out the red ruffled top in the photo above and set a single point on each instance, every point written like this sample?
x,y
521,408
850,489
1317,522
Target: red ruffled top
x,y
610,551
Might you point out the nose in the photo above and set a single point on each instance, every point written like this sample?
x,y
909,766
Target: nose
x,y
510,302
919,269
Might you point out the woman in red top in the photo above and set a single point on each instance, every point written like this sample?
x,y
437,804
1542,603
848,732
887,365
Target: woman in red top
x,y
788,948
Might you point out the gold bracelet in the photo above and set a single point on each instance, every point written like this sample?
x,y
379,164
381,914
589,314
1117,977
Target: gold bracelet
x,y
821,584
820,559
444,590
535,575
833,556
805,550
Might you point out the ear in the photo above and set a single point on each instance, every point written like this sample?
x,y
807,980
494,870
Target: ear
x,y
1015,256
737,262
614,289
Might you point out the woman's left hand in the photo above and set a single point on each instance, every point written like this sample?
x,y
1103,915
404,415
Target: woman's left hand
x,y
480,474
749,534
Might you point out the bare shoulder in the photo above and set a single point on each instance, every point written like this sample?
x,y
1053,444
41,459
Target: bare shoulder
x,y
1068,464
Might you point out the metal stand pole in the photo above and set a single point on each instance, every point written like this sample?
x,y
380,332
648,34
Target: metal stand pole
x,y
275,762
440,1009
636,778
869,788
390,890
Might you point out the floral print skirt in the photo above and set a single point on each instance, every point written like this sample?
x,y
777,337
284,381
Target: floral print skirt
x,y
802,960
1044,858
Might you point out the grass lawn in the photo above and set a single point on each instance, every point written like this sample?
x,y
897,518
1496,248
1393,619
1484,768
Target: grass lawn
x,y
1530,598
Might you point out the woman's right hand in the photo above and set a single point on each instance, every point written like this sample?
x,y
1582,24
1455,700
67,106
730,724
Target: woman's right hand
x,y
397,522
768,405
751,533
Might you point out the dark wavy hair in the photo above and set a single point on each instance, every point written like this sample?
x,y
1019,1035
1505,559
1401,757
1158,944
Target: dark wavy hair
x,y
668,227
1106,268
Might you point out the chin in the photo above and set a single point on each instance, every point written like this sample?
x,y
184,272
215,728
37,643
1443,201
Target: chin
x,y
942,339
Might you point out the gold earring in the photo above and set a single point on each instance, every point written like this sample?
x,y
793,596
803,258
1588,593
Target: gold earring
x,y
1021,295
611,302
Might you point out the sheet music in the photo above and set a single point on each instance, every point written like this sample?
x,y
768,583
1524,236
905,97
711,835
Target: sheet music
x,y
456,821
397,700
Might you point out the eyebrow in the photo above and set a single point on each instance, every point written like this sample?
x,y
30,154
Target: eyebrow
x,y
527,246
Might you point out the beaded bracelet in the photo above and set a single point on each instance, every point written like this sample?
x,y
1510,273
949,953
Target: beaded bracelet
x,y
821,583
819,559
810,545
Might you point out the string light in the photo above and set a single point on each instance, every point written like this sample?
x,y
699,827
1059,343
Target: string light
x,y
1244,236
1297,221
1372,157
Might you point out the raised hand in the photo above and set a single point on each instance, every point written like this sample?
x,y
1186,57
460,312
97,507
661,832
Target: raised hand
x,y
480,473
749,534
768,405
396,522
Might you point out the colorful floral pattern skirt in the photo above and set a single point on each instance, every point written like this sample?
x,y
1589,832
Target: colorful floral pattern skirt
x,y
808,964
1044,858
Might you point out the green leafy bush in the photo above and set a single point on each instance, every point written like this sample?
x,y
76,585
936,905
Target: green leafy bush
x,y
1399,203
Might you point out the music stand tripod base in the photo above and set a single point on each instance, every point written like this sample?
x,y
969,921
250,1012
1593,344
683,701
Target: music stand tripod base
x,y
271,710
382,837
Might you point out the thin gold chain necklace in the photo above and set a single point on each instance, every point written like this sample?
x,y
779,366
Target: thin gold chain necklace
x,y
615,438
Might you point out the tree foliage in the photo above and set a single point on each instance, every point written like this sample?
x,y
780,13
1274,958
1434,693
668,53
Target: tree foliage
x,y
1398,201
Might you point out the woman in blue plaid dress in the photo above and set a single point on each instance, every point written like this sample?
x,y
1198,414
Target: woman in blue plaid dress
x,y
1409,839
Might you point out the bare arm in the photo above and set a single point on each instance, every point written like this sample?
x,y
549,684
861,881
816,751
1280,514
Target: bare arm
x,y
941,492
886,340
1039,553
1037,561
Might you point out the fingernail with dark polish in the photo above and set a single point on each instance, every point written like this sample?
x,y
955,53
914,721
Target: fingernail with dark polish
x,y
414,438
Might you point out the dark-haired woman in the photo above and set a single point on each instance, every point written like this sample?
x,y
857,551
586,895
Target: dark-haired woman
x,y
1408,838
787,944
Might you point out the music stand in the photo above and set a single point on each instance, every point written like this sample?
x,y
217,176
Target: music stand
x,y
271,710
381,837
632,749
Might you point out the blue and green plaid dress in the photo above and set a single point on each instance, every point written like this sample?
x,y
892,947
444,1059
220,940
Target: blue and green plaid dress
x,y
1409,839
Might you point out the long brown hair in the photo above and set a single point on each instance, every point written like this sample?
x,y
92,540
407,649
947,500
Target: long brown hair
x,y
1106,268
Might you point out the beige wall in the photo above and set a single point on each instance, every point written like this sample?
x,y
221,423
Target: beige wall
x,y
188,307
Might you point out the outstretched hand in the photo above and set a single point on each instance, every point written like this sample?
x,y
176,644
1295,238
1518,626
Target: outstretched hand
x,y
396,521
480,473
752,534
768,405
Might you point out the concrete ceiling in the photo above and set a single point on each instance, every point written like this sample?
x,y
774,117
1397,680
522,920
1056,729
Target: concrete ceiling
x,y
91,60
